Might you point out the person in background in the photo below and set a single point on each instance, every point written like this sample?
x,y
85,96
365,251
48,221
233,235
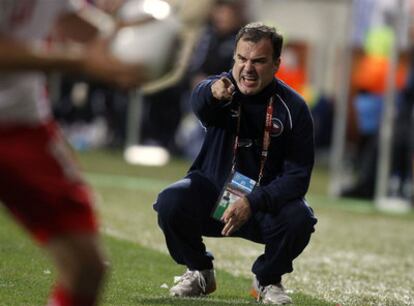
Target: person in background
x,y
91,113
214,52
212,55
403,140
40,183
259,128
164,110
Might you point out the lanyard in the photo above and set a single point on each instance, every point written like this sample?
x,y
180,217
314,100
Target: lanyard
x,y
266,138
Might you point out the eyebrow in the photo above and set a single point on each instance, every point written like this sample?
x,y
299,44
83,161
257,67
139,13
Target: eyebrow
x,y
260,58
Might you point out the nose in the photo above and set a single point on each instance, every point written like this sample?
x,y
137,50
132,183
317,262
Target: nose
x,y
249,66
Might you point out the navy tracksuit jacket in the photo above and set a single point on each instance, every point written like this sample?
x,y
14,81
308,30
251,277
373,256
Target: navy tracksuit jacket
x,y
281,218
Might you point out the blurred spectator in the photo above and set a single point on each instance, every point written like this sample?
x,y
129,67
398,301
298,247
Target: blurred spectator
x,y
91,113
292,69
213,55
369,83
403,159
373,36
322,114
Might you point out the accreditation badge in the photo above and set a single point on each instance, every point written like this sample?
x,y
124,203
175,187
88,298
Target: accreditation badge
x,y
236,187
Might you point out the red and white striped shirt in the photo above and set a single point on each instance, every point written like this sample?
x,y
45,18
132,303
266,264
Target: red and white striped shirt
x,y
22,94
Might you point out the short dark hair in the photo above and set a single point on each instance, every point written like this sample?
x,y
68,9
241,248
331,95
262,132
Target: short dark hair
x,y
257,31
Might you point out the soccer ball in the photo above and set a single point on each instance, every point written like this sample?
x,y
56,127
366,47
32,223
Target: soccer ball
x,y
150,43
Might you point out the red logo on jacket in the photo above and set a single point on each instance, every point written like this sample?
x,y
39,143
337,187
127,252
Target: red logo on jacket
x,y
277,127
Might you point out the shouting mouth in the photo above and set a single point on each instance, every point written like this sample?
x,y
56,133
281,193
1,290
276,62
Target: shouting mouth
x,y
249,81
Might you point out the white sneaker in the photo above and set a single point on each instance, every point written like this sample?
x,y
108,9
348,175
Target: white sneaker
x,y
194,283
272,294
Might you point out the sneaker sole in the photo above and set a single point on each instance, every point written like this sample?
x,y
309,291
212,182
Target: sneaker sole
x,y
210,290
253,293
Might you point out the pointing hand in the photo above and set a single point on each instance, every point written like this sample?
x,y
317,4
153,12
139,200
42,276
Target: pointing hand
x,y
222,89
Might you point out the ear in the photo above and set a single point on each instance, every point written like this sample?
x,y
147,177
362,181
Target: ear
x,y
276,65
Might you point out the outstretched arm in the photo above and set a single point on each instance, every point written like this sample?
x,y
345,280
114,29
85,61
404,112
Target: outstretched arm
x,y
211,96
20,56
92,57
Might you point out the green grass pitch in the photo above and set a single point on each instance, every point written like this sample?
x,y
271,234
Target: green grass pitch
x,y
357,256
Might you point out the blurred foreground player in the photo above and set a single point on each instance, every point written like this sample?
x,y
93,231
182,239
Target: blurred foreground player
x,y
40,183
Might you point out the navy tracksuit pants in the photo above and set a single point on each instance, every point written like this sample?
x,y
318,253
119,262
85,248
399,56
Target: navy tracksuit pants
x,y
184,214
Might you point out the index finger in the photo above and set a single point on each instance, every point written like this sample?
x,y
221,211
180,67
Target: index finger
x,y
228,228
228,84
226,81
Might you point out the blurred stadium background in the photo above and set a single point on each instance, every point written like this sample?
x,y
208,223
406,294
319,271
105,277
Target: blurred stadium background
x,y
351,61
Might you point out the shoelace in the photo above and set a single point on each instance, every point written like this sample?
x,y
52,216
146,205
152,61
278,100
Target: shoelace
x,y
190,275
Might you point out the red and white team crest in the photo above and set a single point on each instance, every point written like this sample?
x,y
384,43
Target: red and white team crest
x,y
277,127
